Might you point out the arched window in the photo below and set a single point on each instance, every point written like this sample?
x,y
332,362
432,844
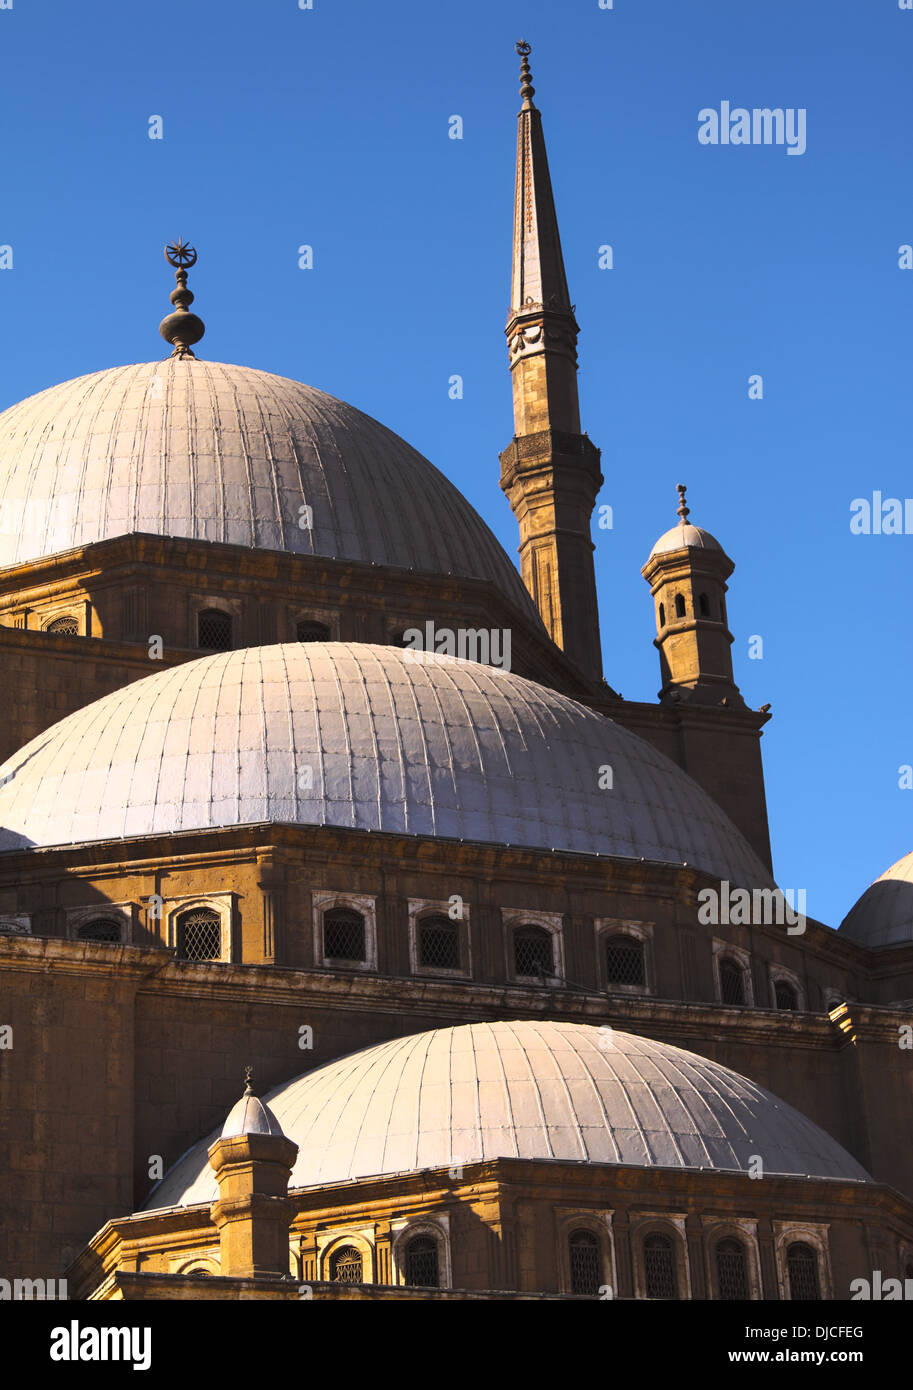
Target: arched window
x,y
65,627
731,1270
659,1267
662,615
199,935
421,1263
732,982
533,954
624,960
308,631
214,630
583,1250
723,610
345,1265
703,605
439,943
343,934
908,1270
802,1268
785,995
99,929
679,606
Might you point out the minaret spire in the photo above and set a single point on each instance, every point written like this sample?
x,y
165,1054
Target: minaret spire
x,y
550,472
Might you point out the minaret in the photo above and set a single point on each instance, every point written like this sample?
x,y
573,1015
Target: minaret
x,y
550,471
687,572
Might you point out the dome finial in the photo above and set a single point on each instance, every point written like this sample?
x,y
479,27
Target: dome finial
x,y
181,328
248,1081
683,511
527,89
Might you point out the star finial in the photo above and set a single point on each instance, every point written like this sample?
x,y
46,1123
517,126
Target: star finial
x,y
683,511
527,89
181,328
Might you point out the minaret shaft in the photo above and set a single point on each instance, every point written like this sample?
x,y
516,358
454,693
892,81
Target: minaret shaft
x,y
550,472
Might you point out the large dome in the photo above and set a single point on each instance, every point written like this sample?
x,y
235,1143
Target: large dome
x,y
566,1091
364,737
224,453
883,916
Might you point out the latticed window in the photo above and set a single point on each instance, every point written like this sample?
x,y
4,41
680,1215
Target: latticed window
x,y
309,631
66,627
345,1265
421,1263
533,954
343,934
731,1270
785,995
583,1249
732,982
100,929
802,1268
659,1267
439,943
200,936
624,956
214,630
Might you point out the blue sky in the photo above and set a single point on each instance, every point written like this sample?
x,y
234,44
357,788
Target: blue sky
x,y
330,127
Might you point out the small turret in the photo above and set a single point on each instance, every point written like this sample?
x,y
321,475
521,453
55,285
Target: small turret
x,y
687,572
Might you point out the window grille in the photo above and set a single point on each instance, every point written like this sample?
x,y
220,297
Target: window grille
x,y
533,953
439,943
659,1267
421,1263
308,631
732,983
100,929
66,627
625,961
200,936
13,928
214,630
345,1266
583,1248
802,1268
343,935
732,1276
785,995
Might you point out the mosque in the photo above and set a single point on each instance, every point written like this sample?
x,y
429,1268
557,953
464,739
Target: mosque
x,y
448,915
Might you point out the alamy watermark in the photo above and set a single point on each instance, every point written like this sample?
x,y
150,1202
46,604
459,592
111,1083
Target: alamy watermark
x,y
762,125
757,907
488,646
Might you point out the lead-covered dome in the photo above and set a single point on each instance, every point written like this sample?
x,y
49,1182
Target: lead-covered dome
x,y
368,738
883,916
530,1090
216,452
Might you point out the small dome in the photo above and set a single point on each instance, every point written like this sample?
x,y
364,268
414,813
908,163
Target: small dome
x,y
883,916
250,1116
366,738
531,1090
685,535
217,452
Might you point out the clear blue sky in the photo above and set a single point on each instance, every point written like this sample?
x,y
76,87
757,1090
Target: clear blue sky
x,y
330,127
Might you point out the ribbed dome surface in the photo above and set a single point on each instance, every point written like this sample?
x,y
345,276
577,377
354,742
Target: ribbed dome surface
x,y
526,1090
215,452
364,737
883,916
